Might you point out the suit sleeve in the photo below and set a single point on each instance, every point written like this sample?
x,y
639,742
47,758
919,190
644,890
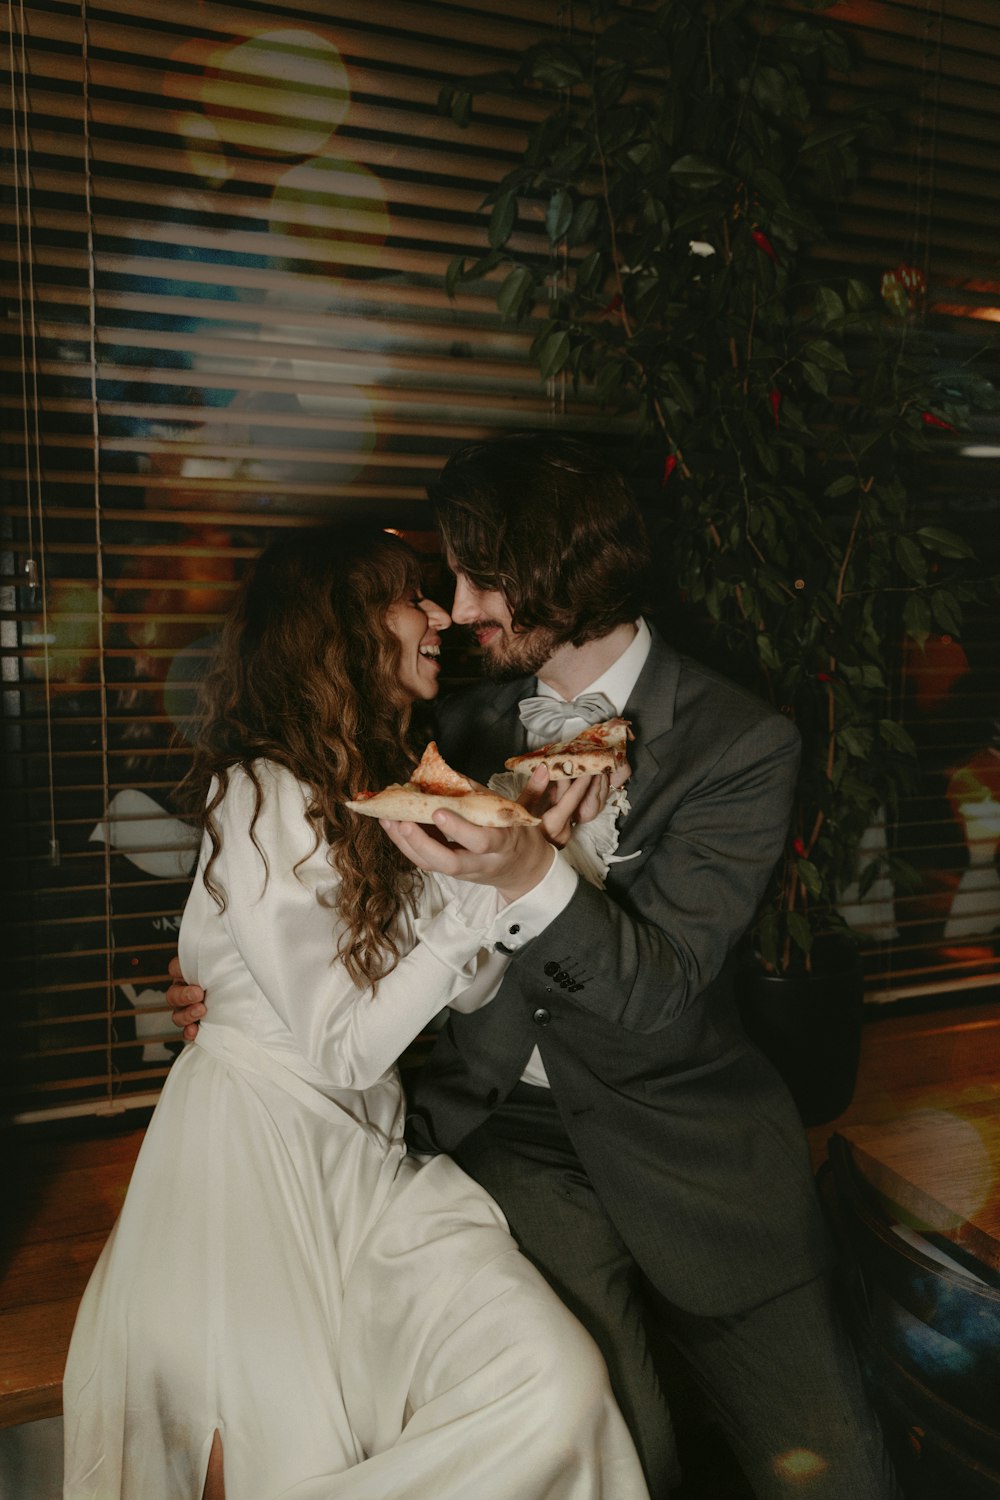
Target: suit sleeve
x,y
648,951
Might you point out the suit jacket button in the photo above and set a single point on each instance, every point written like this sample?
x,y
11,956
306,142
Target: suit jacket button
x,y
542,1017
574,987
551,968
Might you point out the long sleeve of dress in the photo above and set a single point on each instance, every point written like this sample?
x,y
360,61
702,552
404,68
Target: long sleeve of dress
x,y
281,918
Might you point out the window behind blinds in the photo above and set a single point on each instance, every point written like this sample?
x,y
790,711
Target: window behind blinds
x,y
228,227
931,200
226,230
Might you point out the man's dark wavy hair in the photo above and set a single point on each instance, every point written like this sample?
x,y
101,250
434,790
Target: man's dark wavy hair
x,y
552,524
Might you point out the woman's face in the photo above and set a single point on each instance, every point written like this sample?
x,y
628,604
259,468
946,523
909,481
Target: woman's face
x,y
417,623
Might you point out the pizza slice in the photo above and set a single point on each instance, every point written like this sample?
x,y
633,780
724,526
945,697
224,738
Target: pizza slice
x,y
434,784
601,747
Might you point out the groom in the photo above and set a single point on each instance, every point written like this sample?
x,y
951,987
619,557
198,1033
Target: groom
x,y
647,1157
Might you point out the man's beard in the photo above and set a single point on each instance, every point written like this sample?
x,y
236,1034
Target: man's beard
x,y
518,654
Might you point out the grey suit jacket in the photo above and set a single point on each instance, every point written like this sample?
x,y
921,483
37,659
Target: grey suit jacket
x,y
686,1132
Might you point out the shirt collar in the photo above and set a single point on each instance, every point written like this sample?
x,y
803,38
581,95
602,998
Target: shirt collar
x,y
621,677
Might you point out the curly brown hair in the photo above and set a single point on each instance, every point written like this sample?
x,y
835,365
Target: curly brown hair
x,y
552,524
306,674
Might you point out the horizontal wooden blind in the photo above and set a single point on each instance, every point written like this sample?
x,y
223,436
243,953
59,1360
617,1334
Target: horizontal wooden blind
x,y
227,227
227,230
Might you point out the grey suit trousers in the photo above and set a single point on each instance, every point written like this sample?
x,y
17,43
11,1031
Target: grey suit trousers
x,y
781,1379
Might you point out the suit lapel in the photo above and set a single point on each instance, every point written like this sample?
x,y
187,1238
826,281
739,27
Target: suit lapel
x,y
650,709
652,703
493,731
503,728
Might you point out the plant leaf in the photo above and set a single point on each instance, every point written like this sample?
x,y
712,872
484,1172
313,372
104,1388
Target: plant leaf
x,y
855,740
799,931
555,67
457,103
609,381
822,352
570,160
697,171
584,221
947,612
770,89
559,215
895,735
937,539
502,220
910,559
767,652
816,379
589,273
552,353
829,308
453,275
516,295
917,618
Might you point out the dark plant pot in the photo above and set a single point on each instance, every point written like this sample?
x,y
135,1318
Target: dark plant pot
x,y
809,1027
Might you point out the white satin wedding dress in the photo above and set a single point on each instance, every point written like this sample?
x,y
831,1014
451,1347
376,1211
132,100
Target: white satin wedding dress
x,y
356,1325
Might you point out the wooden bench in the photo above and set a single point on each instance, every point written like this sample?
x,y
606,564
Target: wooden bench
x,y
66,1194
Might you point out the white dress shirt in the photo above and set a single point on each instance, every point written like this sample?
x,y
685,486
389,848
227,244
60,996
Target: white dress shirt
x,y
616,683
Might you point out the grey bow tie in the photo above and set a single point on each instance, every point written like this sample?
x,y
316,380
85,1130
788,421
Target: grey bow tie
x,y
548,717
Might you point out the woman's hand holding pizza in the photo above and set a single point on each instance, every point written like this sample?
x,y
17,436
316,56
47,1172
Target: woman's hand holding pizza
x,y
513,860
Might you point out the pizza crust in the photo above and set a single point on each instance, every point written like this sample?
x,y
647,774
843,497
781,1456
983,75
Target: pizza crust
x,y
602,747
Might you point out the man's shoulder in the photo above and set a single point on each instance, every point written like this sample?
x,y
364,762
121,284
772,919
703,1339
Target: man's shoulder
x,y
701,679
704,691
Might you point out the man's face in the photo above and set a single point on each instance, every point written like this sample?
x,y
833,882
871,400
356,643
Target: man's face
x,y
507,653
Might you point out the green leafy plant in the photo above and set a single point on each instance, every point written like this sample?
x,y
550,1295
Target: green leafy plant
x,y
683,163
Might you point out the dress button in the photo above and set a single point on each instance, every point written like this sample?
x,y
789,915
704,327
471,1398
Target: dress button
x,y
542,1017
551,967
574,987
492,1097
514,927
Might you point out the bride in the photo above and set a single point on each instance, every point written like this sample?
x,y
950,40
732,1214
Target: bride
x,y
289,1304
